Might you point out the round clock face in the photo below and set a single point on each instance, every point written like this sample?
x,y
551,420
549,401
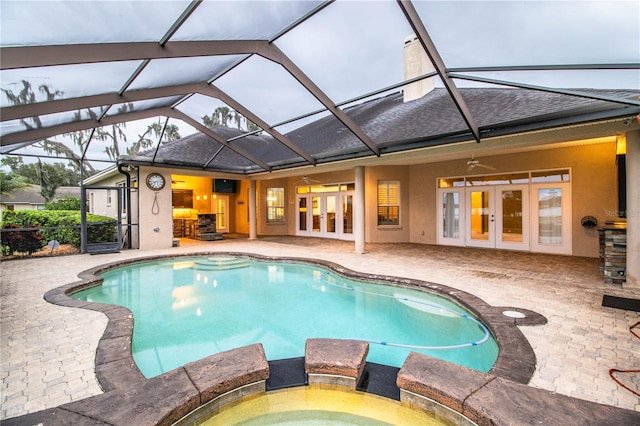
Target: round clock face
x,y
155,181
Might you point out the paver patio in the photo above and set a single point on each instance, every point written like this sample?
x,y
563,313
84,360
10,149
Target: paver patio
x,y
48,351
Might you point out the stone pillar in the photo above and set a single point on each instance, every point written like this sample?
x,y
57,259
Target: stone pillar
x,y
633,209
359,210
253,226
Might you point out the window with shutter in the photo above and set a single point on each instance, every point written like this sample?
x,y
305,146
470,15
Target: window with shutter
x,y
388,202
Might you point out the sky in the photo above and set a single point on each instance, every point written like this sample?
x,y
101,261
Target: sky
x,y
349,48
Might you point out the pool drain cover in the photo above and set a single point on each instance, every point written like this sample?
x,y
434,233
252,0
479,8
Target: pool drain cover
x,y
513,314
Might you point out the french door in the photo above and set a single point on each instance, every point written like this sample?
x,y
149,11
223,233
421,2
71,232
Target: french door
x,y
498,217
326,215
485,216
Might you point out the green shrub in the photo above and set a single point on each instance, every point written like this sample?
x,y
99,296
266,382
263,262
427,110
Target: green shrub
x,y
66,203
96,233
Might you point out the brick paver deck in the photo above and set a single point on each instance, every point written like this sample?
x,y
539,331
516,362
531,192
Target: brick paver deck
x,y
48,352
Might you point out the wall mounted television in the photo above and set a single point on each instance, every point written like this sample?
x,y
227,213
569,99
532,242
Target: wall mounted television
x,y
225,186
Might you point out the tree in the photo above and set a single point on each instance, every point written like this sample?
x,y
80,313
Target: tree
x,y
50,176
222,116
10,182
26,95
115,135
171,133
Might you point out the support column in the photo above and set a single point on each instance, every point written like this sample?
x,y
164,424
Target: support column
x,y
253,226
633,209
359,211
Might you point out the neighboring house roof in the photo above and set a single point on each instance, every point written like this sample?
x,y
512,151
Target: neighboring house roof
x,y
394,125
67,191
27,195
31,195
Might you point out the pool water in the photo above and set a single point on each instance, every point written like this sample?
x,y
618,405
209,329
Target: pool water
x,y
313,406
185,309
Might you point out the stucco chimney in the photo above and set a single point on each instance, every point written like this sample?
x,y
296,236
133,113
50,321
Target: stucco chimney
x,y
416,63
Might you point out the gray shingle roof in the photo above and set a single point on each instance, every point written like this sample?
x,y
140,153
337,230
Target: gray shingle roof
x,y
394,126
31,195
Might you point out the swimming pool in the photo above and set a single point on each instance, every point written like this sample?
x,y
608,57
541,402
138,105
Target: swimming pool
x,y
186,308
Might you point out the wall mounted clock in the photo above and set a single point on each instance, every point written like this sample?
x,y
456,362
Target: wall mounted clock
x,y
155,181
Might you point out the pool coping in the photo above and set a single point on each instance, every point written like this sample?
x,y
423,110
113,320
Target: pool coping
x,y
500,397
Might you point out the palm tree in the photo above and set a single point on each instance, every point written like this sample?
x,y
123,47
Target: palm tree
x,y
224,115
171,133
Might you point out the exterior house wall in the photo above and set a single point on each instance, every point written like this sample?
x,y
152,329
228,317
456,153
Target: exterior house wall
x,y
20,206
99,201
594,193
265,228
594,190
241,209
387,234
156,222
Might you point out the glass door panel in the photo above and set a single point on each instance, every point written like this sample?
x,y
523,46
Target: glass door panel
x,y
330,214
550,216
316,214
347,214
302,213
219,206
451,214
481,224
221,216
551,222
512,217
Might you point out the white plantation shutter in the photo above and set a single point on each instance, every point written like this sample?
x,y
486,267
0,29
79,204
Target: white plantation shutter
x,y
388,202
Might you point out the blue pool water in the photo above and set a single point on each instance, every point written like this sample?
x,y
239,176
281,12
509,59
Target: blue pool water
x,y
188,308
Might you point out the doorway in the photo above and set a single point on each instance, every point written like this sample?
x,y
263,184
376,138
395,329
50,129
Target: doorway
x,y
220,207
498,217
325,211
529,211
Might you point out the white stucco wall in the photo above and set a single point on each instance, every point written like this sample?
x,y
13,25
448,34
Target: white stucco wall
x,y
594,188
156,222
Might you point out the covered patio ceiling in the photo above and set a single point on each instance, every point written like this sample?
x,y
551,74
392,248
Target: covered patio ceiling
x,y
292,77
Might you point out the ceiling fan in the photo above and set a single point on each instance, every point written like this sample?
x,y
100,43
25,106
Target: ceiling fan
x,y
305,180
473,163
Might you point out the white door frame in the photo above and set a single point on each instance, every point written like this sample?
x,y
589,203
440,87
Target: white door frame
x,y
531,219
488,211
221,227
501,241
495,218
455,235
565,245
321,210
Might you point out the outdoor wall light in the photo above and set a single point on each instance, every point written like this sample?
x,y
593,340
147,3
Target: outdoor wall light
x,y
621,144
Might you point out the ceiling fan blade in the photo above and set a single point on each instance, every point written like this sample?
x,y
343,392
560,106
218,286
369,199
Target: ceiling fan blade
x,y
484,166
305,180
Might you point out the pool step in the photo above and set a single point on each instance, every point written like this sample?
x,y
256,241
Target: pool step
x,y
221,263
380,380
286,373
